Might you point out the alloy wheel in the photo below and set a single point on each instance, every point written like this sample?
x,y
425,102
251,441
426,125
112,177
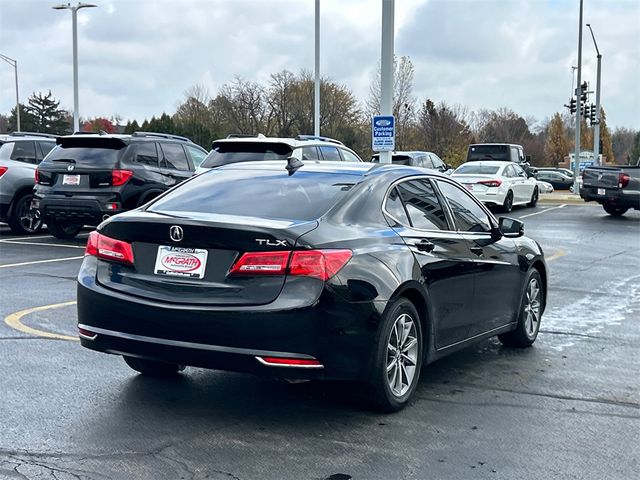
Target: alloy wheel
x,y
402,355
532,308
27,219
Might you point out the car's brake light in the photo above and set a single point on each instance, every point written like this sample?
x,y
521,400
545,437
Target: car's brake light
x,y
269,263
322,264
290,362
120,177
37,175
491,183
3,170
623,180
108,248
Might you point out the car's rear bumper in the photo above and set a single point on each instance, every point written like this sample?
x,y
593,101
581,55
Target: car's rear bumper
x,y
340,336
615,197
88,211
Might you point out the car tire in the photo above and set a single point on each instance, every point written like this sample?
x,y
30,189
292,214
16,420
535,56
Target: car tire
x,y
531,308
534,198
615,211
22,221
152,368
507,205
63,230
397,357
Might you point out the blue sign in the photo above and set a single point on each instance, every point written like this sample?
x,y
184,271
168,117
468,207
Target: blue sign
x,y
383,133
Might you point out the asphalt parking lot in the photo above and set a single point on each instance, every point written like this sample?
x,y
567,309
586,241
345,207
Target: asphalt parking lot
x,y
568,408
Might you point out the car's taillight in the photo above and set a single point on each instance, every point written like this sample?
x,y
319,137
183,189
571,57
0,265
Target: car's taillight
x,y
491,183
269,263
3,170
120,177
322,264
36,175
108,248
623,180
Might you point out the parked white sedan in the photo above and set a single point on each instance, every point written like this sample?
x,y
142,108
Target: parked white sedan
x,y
502,184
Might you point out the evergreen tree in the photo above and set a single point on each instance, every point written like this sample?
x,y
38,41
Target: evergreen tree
x,y
605,138
47,114
27,120
635,150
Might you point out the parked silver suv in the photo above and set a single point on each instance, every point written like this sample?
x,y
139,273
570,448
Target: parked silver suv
x,y
246,148
20,153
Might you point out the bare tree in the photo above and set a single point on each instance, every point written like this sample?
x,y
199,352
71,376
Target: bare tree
x,y
404,102
243,106
443,129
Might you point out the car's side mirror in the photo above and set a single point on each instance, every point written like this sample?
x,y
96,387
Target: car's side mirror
x,y
510,227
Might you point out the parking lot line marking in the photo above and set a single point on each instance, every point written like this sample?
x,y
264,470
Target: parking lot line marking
x,y
544,211
555,255
40,261
14,320
41,243
34,237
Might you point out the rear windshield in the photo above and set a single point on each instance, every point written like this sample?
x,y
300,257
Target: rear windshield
x,y
488,152
471,169
233,152
84,156
259,193
395,159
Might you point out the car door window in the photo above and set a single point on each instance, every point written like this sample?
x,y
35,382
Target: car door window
x,y
438,164
423,205
514,154
45,147
394,207
24,152
174,157
308,153
348,156
197,155
425,162
468,215
508,172
519,171
146,154
330,153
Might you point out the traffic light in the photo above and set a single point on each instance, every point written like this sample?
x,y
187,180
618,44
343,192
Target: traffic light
x,y
572,105
583,92
586,113
592,115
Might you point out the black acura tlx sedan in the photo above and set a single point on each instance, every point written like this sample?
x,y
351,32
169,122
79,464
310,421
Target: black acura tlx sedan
x,y
359,272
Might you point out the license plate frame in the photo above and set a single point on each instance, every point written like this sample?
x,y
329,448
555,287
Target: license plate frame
x,y
72,180
181,262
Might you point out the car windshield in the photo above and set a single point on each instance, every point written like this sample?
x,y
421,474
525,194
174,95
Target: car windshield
x,y
488,152
259,193
224,153
470,169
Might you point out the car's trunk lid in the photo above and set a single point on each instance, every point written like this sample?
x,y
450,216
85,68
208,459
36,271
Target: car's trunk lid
x,y
195,269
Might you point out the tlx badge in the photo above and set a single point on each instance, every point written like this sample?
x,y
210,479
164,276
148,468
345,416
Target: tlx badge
x,y
271,243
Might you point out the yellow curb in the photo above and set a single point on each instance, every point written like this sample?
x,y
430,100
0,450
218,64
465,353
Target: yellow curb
x,y
14,320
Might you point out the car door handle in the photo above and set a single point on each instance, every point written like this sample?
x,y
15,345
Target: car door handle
x,y
425,246
477,250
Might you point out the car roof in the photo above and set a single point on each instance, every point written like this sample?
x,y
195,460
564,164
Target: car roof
x,y
489,163
409,153
498,144
347,168
292,142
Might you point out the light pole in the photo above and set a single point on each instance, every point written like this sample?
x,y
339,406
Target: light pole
x,y
576,161
13,62
596,130
386,66
74,17
316,87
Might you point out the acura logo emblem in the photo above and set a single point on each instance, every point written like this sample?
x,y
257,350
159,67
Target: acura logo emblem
x,y
70,168
176,233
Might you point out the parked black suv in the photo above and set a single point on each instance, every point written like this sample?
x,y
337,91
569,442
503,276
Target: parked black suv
x,y
89,177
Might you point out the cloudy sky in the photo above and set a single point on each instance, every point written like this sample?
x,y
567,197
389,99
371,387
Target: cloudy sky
x,y
138,57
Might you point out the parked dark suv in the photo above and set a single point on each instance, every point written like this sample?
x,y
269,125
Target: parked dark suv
x,y
20,152
89,177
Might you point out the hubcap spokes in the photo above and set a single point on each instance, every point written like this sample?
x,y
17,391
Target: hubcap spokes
x,y
27,219
402,355
532,307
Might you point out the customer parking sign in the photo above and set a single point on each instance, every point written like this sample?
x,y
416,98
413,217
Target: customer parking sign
x,y
383,133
